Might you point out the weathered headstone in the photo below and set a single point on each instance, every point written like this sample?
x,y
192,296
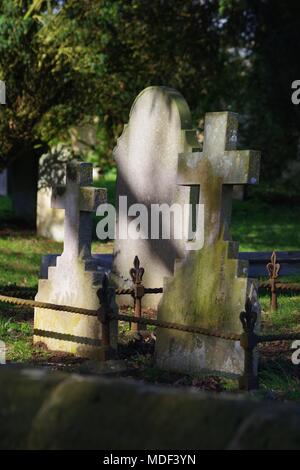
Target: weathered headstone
x,y
159,129
210,285
75,278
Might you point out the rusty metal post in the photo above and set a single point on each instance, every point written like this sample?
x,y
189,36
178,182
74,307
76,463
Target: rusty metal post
x,y
273,269
136,274
105,294
249,380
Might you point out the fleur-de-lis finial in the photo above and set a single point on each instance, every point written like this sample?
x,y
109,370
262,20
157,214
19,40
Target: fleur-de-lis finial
x,y
248,317
273,267
136,272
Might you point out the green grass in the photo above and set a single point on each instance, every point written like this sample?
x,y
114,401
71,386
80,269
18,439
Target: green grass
x,y
6,210
17,336
21,253
285,319
108,181
262,226
279,380
20,258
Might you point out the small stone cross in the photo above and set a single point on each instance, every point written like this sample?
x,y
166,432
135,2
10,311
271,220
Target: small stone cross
x,y
216,169
79,199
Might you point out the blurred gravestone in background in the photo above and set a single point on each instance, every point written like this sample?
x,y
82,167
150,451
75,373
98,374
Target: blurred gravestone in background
x,y
52,172
2,92
3,183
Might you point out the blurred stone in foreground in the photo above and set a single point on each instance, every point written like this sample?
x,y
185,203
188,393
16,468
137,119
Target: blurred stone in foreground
x,y
42,410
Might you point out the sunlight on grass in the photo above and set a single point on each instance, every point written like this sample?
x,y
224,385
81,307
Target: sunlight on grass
x,y
20,257
260,226
285,319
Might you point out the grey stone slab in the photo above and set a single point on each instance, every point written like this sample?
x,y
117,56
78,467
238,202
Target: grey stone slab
x,y
42,410
159,129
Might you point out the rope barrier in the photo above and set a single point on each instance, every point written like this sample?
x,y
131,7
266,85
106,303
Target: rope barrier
x,y
145,321
46,305
122,317
176,326
147,290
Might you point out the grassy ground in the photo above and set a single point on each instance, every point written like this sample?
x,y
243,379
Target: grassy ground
x,y
265,226
259,226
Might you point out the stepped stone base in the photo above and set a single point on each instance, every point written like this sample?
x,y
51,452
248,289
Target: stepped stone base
x,y
71,332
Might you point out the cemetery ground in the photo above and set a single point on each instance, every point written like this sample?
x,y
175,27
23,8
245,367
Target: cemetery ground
x,y
259,225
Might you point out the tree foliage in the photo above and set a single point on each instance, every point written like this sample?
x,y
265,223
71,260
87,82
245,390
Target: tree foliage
x,y
66,60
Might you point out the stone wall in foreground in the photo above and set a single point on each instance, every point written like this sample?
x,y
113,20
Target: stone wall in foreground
x,y
42,410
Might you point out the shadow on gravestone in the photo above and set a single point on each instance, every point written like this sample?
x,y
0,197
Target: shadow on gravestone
x,y
52,172
210,286
159,129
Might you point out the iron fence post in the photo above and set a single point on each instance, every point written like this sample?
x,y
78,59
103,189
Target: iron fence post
x,y
273,269
136,274
105,295
248,341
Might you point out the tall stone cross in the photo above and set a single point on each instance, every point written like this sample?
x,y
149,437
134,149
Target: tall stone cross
x,y
210,285
79,199
216,170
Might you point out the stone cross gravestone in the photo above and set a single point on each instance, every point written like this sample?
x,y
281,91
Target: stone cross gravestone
x,y
75,278
210,285
159,129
